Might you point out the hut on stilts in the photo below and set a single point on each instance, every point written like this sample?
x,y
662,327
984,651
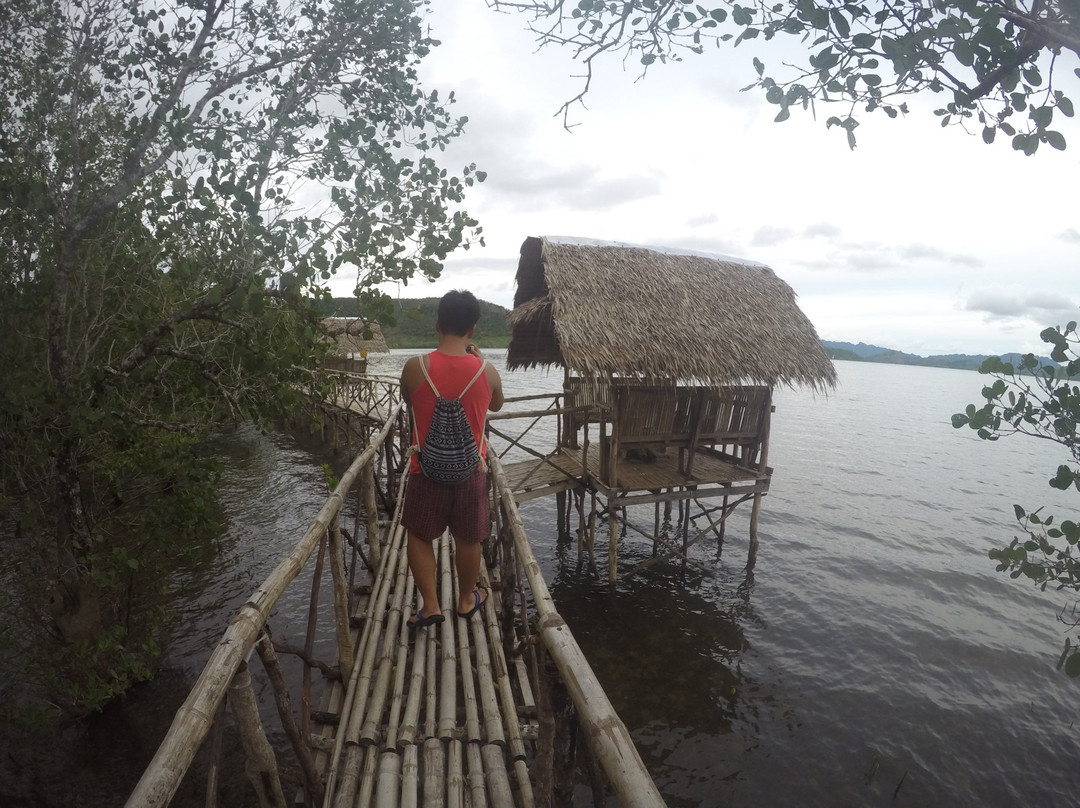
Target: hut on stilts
x,y
671,357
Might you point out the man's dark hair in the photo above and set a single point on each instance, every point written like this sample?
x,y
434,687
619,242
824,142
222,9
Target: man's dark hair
x,y
458,312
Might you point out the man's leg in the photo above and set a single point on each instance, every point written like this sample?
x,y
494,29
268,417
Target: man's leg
x,y
468,575
422,563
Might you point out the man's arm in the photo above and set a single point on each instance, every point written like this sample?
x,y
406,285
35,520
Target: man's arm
x,y
495,383
493,379
411,376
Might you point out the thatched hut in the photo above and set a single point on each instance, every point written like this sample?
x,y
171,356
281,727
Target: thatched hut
x,y
353,340
353,335
660,315
673,355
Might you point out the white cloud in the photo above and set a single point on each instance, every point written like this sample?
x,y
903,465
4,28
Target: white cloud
x,y
1043,307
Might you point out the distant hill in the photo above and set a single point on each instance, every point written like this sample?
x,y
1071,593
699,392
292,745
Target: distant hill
x,y
861,352
416,322
416,329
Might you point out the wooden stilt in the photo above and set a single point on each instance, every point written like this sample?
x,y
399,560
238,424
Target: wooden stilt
x,y
260,762
312,780
563,516
343,629
309,639
371,509
751,558
613,543
722,530
656,527
215,756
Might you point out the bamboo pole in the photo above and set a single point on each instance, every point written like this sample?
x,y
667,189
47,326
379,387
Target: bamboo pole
x,y
368,777
474,779
407,732
260,762
370,729
312,781
431,684
498,779
388,788
493,732
309,639
468,683
371,508
162,777
397,698
501,674
410,777
525,789
455,777
607,734
342,629
613,542
448,648
434,774
215,757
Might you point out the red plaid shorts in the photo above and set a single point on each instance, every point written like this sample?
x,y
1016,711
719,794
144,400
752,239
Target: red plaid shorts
x,y
430,508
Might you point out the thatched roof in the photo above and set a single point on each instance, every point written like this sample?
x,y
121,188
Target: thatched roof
x,y
661,315
349,334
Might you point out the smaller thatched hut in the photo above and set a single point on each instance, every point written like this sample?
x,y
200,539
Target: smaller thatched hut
x,y
354,335
354,339
674,355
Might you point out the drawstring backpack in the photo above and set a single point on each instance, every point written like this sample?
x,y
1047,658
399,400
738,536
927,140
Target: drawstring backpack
x,y
449,453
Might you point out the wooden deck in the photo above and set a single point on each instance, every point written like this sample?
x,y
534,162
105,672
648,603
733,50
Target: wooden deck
x,y
713,476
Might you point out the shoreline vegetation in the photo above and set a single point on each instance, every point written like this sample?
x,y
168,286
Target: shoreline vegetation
x,y
416,324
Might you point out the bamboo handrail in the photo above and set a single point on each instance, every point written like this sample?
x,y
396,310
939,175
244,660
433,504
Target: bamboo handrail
x,y
608,736
193,720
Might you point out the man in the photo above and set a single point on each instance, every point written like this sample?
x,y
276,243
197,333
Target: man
x,y
431,507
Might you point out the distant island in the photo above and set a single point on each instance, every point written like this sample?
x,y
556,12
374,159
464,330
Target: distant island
x,y
415,328
861,352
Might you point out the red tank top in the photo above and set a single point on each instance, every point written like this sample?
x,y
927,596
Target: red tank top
x,y
450,374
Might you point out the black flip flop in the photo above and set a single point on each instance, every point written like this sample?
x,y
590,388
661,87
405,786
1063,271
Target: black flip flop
x,y
479,603
418,620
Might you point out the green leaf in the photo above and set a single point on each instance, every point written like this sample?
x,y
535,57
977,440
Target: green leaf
x,y
1056,139
840,23
988,134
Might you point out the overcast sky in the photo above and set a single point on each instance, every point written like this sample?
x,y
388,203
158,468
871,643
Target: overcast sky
x,y
922,239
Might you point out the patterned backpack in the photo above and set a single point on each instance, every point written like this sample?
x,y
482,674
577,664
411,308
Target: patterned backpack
x,y
449,453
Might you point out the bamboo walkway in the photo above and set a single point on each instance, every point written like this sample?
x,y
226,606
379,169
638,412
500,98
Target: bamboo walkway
x,y
438,715
466,714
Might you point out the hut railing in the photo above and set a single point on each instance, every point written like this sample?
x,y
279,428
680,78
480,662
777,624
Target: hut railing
x,y
345,364
539,418
227,669
730,423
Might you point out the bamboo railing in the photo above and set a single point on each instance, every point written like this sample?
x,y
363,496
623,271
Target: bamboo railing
x,y
608,737
196,715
